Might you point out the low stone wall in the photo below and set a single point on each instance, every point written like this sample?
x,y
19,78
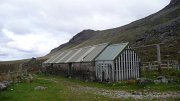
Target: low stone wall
x,y
4,68
30,66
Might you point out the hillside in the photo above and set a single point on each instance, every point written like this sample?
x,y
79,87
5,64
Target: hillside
x,y
161,27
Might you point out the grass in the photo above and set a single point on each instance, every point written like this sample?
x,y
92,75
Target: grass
x,y
56,92
60,90
131,85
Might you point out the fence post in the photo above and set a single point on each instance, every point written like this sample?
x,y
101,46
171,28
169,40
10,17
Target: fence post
x,y
143,66
9,72
168,64
177,65
150,65
174,65
159,58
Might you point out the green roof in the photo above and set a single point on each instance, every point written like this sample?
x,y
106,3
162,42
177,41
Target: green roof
x,y
112,51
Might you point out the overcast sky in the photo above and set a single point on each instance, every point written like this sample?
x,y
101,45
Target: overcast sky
x,y
31,28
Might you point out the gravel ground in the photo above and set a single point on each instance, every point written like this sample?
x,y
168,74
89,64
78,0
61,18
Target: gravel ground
x,y
123,94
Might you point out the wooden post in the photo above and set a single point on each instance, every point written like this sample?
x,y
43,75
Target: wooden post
x,y
140,69
126,65
112,71
148,68
122,74
168,64
116,69
159,58
129,67
135,61
119,62
138,63
134,70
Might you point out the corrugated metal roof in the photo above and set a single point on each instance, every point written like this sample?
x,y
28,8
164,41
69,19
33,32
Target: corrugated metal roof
x,y
93,54
53,57
85,54
112,51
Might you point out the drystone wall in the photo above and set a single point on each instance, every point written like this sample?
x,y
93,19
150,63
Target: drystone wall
x,y
84,71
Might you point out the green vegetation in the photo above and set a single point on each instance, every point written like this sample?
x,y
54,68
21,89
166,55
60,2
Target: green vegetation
x,y
60,89
57,91
165,72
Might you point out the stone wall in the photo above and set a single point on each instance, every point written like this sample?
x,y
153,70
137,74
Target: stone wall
x,y
32,65
84,71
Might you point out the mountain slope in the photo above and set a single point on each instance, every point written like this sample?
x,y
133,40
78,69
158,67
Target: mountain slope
x,y
161,27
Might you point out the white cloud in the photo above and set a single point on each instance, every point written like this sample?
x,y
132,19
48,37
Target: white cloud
x,y
33,27
30,44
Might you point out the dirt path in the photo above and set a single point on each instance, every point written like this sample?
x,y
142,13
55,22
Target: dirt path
x,y
122,94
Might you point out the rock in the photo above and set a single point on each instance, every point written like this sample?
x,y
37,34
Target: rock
x,y
161,79
164,80
29,79
142,81
5,84
40,88
157,81
170,45
136,93
2,86
174,2
173,80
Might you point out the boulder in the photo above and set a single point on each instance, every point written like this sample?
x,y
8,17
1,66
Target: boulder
x,y
157,81
161,79
5,84
40,88
2,86
142,81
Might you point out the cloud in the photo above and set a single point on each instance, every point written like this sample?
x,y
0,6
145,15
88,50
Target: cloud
x,y
30,44
33,27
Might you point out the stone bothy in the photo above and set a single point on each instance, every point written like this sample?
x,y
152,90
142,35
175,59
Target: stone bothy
x,y
103,62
